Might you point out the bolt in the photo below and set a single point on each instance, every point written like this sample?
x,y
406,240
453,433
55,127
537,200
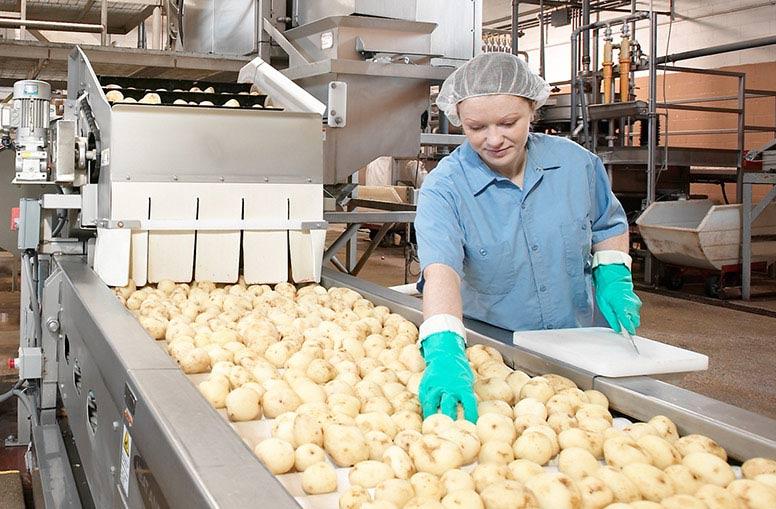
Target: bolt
x,y
115,425
52,325
175,178
120,224
127,177
333,113
338,120
266,179
112,469
333,85
309,179
221,179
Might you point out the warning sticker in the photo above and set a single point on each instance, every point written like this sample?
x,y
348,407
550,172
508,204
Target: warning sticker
x,y
126,452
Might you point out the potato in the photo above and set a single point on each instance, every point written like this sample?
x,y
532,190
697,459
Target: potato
x,y
495,406
530,406
307,390
420,503
766,479
376,421
592,442
399,461
194,361
623,489
114,96
590,411
396,491
457,479
404,438
490,473
653,483
307,430
369,473
683,502
594,424
243,405
682,479
468,443
279,399
516,380
411,358
561,422
699,443
640,504
407,420
462,499
752,494
306,455
640,429
521,470
354,498
277,455
215,393
577,463
595,494
558,382
597,398
554,491
665,428
546,431
709,469
621,451
498,427
435,423
561,404
378,442
345,444
435,455
662,453
255,387
493,389
716,498
496,451
756,466
239,376
537,388
523,422
345,404
427,486
507,494
533,446
319,478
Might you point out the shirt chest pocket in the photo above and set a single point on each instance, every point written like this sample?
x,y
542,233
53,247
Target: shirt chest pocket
x,y
577,243
490,268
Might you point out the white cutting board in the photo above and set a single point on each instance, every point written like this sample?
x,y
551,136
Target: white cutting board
x,y
603,352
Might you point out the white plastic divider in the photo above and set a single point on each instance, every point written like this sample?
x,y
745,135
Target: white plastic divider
x,y
218,252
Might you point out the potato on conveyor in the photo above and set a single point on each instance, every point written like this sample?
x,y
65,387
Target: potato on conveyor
x,y
507,495
396,491
756,466
554,491
319,478
243,405
462,499
114,96
151,98
752,494
276,454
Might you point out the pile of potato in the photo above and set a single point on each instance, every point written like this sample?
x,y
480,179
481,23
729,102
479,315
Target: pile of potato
x,y
339,379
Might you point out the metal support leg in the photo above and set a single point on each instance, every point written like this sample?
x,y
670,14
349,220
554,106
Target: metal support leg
x,y
371,247
104,22
22,29
652,126
746,242
340,241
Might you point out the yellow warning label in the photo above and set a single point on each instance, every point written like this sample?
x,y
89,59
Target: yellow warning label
x,y
125,442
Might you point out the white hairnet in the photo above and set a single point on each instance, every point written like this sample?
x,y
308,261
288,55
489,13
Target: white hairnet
x,y
490,74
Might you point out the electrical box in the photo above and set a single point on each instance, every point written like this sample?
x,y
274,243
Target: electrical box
x,y
29,224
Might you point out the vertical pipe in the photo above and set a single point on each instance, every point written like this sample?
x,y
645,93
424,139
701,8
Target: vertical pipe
x,y
23,13
141,35
625,66
741,134
156,29
573,99
652,126
104,22
608,77
541,38
746,240
515,31
585,36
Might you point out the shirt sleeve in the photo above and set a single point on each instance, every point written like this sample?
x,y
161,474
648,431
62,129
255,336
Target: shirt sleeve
x,y
438,229
609,217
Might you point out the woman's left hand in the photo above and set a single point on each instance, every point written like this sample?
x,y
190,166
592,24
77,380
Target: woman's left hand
x,y
615,297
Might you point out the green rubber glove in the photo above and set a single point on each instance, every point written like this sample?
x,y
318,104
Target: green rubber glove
x,y
615,298
448,379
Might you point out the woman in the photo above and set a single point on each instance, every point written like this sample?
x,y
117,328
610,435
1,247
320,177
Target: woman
x,y
514,229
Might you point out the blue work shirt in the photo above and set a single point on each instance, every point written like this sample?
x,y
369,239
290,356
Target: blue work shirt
x,y
524,255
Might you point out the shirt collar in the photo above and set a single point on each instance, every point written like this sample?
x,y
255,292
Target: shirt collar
x,y
480,176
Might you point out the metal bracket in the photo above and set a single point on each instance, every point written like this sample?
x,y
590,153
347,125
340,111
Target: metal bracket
x,y
214,225
61,201
338,104
369,53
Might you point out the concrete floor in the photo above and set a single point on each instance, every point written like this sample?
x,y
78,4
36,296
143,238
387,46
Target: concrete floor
x,y
741,346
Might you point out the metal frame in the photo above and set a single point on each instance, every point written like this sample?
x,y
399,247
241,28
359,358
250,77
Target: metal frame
x,y
750,214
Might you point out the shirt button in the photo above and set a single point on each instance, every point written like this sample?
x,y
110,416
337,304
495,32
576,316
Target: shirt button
x,y
534,248
542,288
483,252
522,205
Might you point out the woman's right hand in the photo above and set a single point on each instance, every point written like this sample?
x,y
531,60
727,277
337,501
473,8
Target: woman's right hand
x,y
448,379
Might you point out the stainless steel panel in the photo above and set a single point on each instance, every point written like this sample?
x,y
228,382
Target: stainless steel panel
x,y
198,26
56,477
223,27
742,433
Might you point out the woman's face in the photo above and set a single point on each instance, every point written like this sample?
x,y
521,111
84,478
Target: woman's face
x,y
497,129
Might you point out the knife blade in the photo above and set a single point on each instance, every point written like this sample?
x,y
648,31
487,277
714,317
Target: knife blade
x,y
624,332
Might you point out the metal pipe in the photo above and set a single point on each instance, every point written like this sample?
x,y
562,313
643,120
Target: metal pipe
x,y
652,127
741,138
573,98
49,25
541,38
23,16
585,36
625,64
104,22
156,29
716,50
608,77
515,31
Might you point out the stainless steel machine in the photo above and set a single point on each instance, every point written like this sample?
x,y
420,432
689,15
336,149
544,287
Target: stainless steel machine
x,y
158,190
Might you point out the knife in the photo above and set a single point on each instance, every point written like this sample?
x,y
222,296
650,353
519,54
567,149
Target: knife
x,y
624,332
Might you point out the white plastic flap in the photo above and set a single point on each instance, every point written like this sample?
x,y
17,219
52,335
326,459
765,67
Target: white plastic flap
x,y
111,256
603,352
